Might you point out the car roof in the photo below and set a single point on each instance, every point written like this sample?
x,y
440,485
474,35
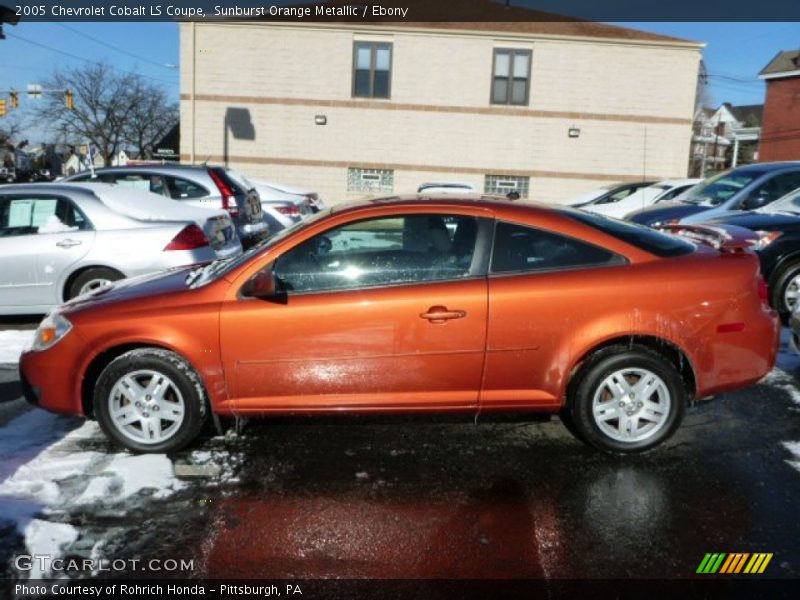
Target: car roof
x,y
154,167
58,187
424,200
767,167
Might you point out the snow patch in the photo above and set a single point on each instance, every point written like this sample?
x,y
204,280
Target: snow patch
x,y
47,539
794,448
44,471
13,343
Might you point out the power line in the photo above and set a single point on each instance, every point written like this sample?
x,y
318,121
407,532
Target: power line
x,y
115,48
88,60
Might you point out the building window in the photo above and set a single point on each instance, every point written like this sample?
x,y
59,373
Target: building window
x,y
511,76
370,180
372,69
503,184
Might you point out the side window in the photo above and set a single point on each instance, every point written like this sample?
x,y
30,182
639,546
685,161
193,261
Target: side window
x,y
522,249
183,189
385,251
39,215
143,181
779,186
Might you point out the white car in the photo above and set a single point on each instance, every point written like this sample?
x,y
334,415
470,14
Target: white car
x,y
642,198
62,240
446,187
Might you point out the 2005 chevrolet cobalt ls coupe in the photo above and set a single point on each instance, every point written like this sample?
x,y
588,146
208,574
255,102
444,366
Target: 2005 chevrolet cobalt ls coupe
x,y
413,305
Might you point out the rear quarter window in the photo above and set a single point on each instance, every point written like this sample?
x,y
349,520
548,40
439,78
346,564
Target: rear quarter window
x,y
644,238
521,249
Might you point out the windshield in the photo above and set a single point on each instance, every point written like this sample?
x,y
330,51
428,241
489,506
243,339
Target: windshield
x,y
214,270
718,189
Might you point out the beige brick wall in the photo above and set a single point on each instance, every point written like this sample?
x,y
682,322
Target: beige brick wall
x,y
622,94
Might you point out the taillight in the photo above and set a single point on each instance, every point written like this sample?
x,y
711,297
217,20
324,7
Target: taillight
x,y
228,195
189,238
763,291
291,210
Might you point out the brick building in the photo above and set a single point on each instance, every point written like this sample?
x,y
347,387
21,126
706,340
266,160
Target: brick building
x,y
350,109
780,132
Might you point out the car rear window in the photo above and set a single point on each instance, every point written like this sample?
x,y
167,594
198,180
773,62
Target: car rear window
x,y
649,240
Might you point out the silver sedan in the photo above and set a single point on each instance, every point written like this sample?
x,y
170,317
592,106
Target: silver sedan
x,y
58,241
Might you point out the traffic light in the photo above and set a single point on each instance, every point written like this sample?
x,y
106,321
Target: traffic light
x,y
69,100
14,96
2,108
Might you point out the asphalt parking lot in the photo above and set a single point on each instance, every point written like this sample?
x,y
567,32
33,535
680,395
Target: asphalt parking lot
x,y
414,498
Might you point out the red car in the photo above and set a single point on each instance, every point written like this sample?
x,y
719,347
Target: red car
x,y
419,304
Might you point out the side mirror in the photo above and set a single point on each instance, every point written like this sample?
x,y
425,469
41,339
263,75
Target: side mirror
x,y
263,285
755,200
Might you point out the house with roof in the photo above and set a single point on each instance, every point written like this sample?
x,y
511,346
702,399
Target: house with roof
x,y
724,137
780,134
506,102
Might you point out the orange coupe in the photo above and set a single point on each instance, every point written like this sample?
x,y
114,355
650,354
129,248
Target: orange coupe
x,y
423,304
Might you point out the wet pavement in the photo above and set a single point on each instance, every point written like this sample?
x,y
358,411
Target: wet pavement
x,y
445,498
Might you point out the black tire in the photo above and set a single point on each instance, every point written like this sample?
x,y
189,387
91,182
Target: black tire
x,y
782,282
94,273
179,372
590,381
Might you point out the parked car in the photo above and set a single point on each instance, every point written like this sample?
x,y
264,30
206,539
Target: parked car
x,y
271,188
418,305
446,187
58,241
201,185
740,189
607,194
286,208
647,196
777,242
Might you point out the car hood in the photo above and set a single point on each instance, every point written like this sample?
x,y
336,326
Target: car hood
x,y
762,221
665,211
147,287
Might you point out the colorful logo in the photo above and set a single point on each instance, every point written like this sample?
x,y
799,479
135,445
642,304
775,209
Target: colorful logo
x,y
734,563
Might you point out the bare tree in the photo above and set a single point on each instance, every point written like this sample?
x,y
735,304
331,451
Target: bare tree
x,y
151,118
113,111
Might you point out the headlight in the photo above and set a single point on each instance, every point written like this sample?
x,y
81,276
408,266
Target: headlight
x,y
54,327
765,238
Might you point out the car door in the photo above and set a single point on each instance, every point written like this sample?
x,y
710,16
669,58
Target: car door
x,y
41,235
540,291
387,312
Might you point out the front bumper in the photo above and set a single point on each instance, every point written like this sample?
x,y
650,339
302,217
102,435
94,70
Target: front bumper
x,y
30,392
51,378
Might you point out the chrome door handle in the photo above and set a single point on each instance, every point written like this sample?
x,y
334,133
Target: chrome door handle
x,y
68,243
440,314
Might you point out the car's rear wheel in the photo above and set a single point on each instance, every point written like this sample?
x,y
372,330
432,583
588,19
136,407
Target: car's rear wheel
x,y
627,401
150,400
786,291
92,279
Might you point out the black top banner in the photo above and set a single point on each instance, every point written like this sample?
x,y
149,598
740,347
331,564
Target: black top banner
x,y
402,10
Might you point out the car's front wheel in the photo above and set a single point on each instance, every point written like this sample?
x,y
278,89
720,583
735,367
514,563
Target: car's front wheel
x,y
150,400
627,401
